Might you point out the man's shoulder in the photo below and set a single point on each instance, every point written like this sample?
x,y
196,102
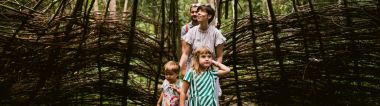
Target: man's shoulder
x,y
195,27
183,26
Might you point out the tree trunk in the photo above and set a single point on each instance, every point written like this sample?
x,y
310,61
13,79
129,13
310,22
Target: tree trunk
x,y
80,52
305,43
212,3
254,54
128,54
377,4
194,1
354,52
162,38
330,88
170,34
125,9
173,23
98,55
317,29
99,65
278,54
177,38
234,54
265,7
112,10
218,13
96,10
226,9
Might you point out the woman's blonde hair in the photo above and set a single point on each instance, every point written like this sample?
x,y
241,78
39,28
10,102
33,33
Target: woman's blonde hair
x,y
195,59
171,67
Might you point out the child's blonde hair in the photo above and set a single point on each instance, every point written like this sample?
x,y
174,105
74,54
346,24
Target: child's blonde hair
x,y
195,59
171,67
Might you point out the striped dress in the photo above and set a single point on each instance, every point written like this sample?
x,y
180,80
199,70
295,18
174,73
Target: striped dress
x,y
201,89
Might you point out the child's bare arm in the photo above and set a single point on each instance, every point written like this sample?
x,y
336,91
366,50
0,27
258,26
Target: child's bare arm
x,y
185,87
160,99
223,69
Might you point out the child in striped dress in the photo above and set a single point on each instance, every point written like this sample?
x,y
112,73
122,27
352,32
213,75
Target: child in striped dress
x,y
199,79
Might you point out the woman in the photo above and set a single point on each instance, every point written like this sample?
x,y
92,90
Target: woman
x,y
203,35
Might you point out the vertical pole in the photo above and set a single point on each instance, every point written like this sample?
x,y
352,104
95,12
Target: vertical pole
x,y
234,39
129,51
278,54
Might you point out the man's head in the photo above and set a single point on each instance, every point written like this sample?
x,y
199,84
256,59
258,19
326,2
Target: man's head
x,y
193,11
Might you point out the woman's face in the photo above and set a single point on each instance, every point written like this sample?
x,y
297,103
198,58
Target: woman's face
x,y
203,16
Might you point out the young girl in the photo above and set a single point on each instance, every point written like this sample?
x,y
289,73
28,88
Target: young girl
x,y
200,79
171,85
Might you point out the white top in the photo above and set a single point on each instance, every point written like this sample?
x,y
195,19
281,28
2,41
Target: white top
x,y
197,38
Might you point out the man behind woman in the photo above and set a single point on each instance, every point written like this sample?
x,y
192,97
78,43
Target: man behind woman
x,y
193,19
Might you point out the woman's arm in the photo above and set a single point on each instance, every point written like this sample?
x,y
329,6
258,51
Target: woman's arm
x,y
160,99
185,55
219,53
185,87
223,69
